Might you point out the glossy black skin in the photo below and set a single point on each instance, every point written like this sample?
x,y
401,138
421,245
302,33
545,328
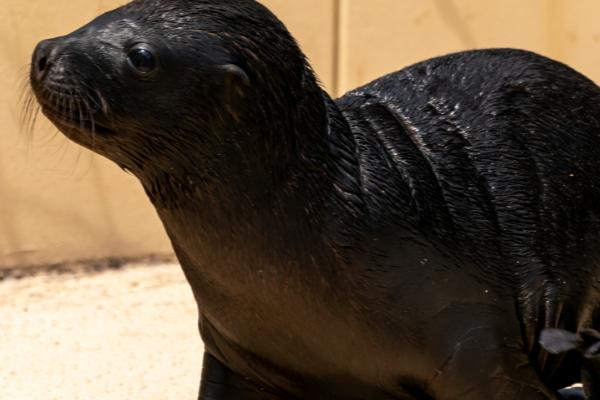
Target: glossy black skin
x,y
408,241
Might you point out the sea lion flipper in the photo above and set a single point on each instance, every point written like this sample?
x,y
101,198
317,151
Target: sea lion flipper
x,y
558,341
573,394
220,383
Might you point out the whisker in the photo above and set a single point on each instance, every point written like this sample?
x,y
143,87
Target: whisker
x,y
26,108
24,89
81,123
103,102
79,153
29,108
64,147
63,102
51,98
35,114
92,121
73,94
75,104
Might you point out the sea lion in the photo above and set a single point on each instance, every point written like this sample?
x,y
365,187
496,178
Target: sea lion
x,y
410,240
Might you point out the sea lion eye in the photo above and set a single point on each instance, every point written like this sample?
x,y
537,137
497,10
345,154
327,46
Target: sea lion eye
x,y
142,59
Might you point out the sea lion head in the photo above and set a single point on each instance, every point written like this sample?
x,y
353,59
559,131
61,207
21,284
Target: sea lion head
x,y
160,79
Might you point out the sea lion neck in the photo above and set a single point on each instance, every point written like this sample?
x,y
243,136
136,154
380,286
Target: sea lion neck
x,y
273,175
259,207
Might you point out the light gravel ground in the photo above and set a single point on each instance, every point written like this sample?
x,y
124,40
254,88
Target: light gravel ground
x,y
120,334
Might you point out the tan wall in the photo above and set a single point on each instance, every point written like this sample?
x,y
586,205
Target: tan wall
x,y
59,202
380,36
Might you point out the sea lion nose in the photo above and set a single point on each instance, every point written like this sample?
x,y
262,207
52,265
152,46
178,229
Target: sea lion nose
x,y
43,57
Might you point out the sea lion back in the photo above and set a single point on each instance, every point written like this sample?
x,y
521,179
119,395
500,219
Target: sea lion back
x,y
489,146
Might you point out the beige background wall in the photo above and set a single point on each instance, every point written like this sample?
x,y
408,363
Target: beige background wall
x,y
379,36
59,202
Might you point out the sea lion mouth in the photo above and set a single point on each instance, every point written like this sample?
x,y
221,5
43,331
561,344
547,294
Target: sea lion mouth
x,y
75,122
73,113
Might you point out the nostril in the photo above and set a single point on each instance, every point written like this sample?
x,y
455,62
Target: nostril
x,y
42,57
42,63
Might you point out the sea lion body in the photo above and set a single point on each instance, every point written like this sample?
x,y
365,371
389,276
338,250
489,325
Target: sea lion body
x,y
410,240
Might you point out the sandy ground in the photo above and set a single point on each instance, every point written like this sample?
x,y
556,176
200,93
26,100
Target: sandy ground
x,y
120,334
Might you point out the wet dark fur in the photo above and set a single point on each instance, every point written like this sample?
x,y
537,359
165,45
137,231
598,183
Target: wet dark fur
x,y
410,240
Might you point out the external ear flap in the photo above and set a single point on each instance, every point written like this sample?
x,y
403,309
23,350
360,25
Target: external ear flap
x,y
236,80
237,73
558,341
